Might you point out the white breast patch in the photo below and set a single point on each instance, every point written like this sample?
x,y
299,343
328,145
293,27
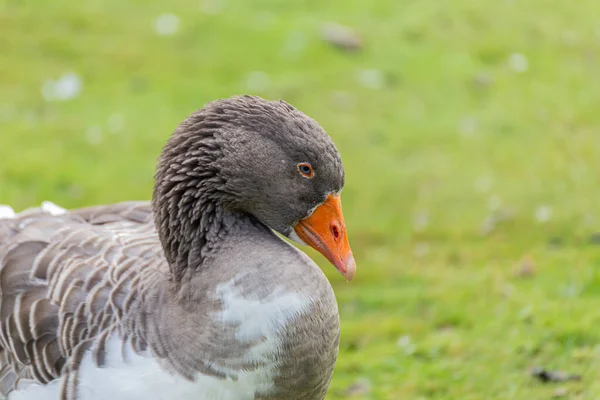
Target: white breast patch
x,y
142,376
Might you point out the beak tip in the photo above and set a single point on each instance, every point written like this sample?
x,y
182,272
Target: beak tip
x,y
350,268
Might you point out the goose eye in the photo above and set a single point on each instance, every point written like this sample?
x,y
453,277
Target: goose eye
x,y
306,170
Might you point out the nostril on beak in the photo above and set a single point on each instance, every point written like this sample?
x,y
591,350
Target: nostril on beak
x,y
335,230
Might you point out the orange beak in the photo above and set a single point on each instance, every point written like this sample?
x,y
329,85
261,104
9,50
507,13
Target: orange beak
x,y
325,231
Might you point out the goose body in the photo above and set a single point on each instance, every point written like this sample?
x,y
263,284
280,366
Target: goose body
x,y
192,296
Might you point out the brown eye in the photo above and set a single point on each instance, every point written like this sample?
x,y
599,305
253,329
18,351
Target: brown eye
x,y
306,170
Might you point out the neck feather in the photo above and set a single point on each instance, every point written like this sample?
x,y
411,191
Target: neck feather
x,y
188,204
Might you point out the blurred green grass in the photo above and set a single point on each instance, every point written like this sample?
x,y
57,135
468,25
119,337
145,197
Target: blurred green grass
x,y
469,136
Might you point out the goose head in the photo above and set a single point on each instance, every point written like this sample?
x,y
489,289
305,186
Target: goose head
x,y
261,158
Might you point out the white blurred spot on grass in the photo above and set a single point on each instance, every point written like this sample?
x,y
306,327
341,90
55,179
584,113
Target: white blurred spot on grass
x,y
543,214
542,113
67,87
468,126
265,20
406,344
488,225
212,7
371,78
7,112
166,24
484,184
560,392
498,214
570,38
31,118
93,134
420,221
494,203
421,249
116,122
525,313
518,62
258,81
294,45
379,254
344,100
508,290
571,290
483,80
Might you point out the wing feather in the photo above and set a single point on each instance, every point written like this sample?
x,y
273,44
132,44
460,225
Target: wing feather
x,y
66,280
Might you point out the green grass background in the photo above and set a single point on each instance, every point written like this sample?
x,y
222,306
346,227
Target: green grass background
x,y
472,195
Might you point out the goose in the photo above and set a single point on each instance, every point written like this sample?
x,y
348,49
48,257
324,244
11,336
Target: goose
x,y
194,294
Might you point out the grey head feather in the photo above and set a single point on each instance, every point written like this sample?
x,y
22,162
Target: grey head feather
x,y
234,158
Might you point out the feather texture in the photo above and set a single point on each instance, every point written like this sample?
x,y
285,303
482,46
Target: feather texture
x,y
67,280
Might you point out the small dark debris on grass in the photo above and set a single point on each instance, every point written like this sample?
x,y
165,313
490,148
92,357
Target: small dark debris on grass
x,y
342,37
351,346
455,258
546,376
526,267
595,238
555,242
446,327
360,388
